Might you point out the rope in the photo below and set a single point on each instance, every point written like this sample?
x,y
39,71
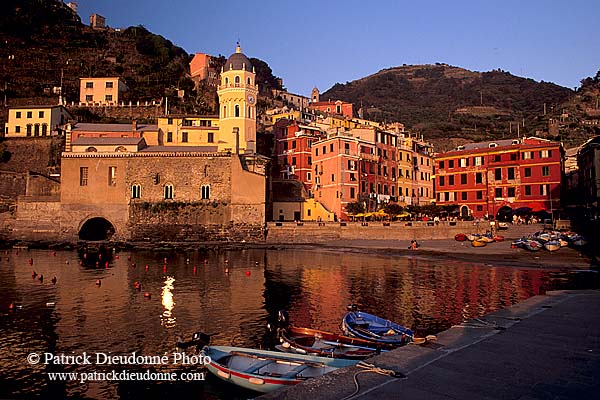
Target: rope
x,y
481,324
371,368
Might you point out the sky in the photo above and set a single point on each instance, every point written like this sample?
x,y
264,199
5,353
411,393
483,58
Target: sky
x,y
321,42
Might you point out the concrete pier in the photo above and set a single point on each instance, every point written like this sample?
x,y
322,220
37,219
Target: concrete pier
x,y
547,347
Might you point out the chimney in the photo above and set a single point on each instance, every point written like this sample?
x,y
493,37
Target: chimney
x,y
134,126
236,133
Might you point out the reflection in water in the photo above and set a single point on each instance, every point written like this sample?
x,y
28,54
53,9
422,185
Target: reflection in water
x,y
426,295
168,320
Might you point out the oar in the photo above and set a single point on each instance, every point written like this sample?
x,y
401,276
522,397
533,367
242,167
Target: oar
x,y
423,340
272,358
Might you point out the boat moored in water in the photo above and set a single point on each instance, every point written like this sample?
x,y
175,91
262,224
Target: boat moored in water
x,y
371,327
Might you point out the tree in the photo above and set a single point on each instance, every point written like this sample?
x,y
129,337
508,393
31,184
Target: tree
x,y
355,208
392,209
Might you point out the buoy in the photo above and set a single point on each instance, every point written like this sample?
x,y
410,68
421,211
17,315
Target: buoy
x,y
67,262
11,306
17,252
41,278
84,255
205,261
165,260
99,256
147,267
106,265
147,295
226,270
129,258
187,260
53,280
31,261
98,282
194,270
226,261
248,273
165,268
33,274
116,257
256,263
50,304
53,254
133,265
80,262
137,285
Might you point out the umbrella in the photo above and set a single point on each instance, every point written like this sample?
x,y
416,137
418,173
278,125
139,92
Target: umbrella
x,y
537,206
402,215
522,210
360,215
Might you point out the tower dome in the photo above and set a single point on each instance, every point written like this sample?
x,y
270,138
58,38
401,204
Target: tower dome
x,y
237,61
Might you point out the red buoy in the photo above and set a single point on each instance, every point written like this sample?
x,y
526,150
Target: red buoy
x,y
147,295
147,267
31,261
98,282
248,273
53,280
226,270
194,270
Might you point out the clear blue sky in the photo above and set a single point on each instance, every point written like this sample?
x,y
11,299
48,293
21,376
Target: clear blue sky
x,y
318,43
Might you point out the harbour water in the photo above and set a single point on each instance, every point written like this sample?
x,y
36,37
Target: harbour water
x,y
231,294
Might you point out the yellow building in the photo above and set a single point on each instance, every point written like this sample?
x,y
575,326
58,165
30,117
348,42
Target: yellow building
x,y
101,91
238,93
179,130
36,121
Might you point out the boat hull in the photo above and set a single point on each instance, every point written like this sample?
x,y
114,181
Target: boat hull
x,y
370,327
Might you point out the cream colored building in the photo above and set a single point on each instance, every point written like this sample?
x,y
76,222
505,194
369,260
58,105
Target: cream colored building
x,y
101,91
36,121
179,130
238,94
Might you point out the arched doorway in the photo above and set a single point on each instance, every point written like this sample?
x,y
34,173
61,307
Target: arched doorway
x,y
504,214
96,228
464,212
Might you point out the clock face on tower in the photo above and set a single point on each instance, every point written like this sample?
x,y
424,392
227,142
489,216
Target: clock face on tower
x,y
251,99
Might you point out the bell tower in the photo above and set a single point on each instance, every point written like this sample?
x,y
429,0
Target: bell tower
x,y
238,94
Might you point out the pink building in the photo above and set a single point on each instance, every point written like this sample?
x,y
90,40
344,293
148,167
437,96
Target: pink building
x,y
333,107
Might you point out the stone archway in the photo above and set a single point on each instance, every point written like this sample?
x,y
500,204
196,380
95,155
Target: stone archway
x,y
96,228
504,214
464,211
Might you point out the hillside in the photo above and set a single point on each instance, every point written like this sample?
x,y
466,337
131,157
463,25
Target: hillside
x,y
45,43
450,105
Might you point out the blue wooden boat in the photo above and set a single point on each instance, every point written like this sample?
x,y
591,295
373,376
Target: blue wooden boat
x,y
265,371
371,327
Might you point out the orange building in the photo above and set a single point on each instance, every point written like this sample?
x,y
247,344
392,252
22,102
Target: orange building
x,y
202,69
333,107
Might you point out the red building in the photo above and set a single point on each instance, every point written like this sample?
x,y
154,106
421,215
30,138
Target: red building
x,y
492,178
333,107
293,148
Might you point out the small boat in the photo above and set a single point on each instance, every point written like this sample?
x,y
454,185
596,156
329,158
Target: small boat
x,y
326,344
460,237
498,238
502,225
487,239
552,245
265,371
532,245
479,243
371,327
472,237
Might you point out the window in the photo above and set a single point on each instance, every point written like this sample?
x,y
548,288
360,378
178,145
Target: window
x,y
511,173
498,193
237,80
205,192
331,147
293,160
514,156
89,98
332,177
441,165
442,180
83,176
543,190
511,192
89,85
109,85
184,137
211,137
36,130
479,208
18,114
478,177
237,110
450,163
29,114
527,172
545,170
451,180
528,190
29,130
463,195
352,192
464,162
169,137
463,179
17,129
224,111
479,194
545,153
527,155
44,129
250,83
309,160
497,158
324,150
108,97
168,192
169,121
136,191
40,114
308,176
478,161
498,174
112,176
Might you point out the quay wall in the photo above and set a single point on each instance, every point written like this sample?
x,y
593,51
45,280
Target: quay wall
x,y
282,232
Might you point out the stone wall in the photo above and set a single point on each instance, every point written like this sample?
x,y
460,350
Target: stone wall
x,y
12,185
37,220
319,233
39,154
123,113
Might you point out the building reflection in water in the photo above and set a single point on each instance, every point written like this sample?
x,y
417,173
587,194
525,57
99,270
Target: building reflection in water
x,y
168,320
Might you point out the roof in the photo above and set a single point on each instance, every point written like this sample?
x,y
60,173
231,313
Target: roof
x,y
112,127
95,141
238,61
39,106
193,149
485,145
